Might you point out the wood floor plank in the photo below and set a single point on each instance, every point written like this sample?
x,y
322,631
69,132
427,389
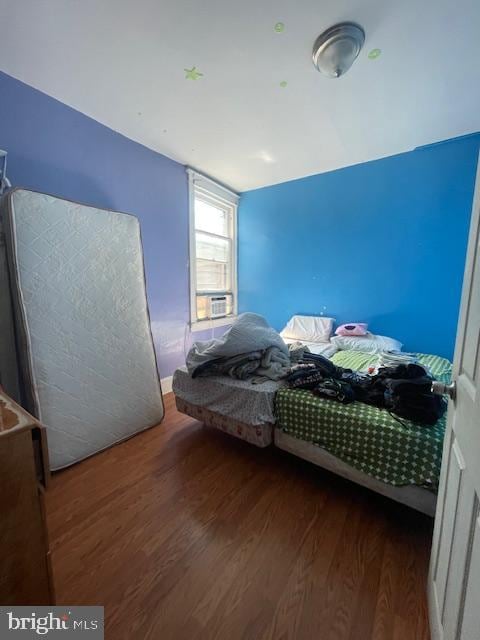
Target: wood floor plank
x,y
383,621
185,533
299,612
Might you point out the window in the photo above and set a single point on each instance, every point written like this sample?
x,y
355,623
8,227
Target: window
x,y
213,252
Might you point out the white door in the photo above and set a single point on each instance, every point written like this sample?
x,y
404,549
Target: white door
x,y
454,580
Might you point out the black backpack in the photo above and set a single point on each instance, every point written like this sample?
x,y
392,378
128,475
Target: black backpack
x,y
413,399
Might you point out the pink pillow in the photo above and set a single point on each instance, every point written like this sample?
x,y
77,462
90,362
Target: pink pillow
x,y
352,329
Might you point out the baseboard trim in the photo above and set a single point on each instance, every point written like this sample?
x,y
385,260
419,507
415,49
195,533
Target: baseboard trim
x,y
166,384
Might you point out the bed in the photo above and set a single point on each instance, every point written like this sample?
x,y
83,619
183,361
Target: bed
x,y
238,407
362,443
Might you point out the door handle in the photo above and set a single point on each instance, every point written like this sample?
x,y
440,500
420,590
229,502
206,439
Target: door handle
x,y
441,389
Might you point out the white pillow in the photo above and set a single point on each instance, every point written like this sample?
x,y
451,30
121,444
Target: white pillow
x,y
308,328
369,343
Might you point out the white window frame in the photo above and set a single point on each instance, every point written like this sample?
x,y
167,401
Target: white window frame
x,y
215,193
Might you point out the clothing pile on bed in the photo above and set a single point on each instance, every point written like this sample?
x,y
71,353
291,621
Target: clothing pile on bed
x,y
403,389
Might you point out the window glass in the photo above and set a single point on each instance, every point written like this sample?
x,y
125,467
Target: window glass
x,y
210,218
213,251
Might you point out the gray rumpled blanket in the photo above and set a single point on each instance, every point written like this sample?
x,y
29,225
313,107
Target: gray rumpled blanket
x,y
249,348
271,364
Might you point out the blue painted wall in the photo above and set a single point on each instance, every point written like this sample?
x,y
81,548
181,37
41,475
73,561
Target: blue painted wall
x,y
55,149
382,242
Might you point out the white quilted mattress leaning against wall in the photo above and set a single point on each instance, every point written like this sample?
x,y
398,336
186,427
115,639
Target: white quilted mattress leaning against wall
x,y
83,360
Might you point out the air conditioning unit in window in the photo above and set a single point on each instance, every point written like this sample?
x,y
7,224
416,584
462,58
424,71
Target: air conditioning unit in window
x,y
217,306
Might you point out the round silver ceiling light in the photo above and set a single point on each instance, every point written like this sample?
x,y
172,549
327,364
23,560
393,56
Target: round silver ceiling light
x,y
336,49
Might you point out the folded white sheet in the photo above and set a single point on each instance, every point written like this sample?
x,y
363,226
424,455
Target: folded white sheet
x,y
326,349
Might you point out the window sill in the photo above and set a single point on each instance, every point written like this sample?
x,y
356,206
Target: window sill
x,y
204,325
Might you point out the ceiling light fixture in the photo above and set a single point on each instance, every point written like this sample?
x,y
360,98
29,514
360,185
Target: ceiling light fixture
x,y
336,49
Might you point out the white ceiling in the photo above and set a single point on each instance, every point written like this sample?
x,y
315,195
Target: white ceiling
x,y
122,62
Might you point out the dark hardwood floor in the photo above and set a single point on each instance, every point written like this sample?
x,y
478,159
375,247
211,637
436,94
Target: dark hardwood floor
x,y
186,533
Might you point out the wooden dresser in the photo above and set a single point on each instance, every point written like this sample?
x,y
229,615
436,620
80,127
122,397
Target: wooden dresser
x,y
25,568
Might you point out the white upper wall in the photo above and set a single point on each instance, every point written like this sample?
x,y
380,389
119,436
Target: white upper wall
x,y
122,63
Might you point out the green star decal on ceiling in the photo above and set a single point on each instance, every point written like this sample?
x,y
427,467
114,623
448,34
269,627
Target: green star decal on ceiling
x,y
192,74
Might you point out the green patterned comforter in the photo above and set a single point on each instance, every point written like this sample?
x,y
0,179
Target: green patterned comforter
x,y
368,438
